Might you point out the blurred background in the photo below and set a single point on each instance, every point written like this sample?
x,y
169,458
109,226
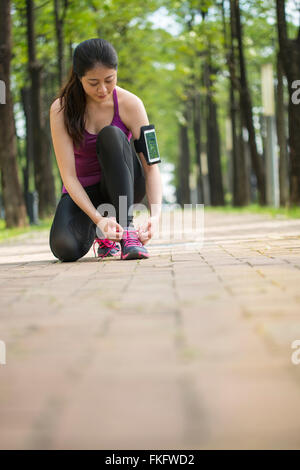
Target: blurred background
x,y
220,79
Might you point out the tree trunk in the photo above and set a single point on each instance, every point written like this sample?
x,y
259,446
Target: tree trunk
x,y
43,174
184,162
239,196
13,201
213,144
247,108
25,94
197,140
289,50
282,141
238,153
59,30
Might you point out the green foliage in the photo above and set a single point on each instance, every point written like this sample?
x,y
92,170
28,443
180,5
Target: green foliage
x,y
163,67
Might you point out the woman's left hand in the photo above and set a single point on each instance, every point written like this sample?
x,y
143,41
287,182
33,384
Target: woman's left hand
x,y
147,230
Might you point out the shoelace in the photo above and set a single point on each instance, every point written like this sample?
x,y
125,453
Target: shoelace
x,y
104,242
131,238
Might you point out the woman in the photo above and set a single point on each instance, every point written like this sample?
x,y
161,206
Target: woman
x,y
92,122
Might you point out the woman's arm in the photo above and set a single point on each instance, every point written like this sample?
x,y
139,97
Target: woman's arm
x,y
63,148
154,189
136,117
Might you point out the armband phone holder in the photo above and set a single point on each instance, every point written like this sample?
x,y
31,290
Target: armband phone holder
x,y
147,144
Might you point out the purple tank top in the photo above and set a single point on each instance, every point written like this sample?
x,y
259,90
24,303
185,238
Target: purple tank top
x,y
87,166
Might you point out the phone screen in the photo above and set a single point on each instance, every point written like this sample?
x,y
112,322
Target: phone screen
x,y
151,143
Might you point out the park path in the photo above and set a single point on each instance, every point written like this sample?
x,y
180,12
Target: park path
x,y
190,349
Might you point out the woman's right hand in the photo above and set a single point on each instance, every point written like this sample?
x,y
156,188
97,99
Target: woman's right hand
x,y
110,228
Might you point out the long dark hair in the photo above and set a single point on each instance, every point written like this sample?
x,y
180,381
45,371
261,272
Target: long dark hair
x,y
72,97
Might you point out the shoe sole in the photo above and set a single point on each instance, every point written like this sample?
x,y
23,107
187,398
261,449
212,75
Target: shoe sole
x,y
138,255
108,256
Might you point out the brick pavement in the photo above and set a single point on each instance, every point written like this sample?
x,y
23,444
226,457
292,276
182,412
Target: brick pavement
x,y
190,349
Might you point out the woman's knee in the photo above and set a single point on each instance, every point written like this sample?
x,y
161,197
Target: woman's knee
x,y
109,141
111,132
63,247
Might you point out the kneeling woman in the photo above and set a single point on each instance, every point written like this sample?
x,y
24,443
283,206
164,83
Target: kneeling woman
x,y
92,122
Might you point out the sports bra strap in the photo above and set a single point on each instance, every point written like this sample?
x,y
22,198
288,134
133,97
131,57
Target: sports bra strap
x,y
115,96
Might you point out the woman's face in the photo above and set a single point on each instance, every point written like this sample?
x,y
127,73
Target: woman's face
x,y
99,82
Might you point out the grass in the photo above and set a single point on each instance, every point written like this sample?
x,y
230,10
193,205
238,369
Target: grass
x,y
281,212
8,233
288,212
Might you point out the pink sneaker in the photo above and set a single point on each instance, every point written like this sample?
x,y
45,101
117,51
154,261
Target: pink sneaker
x,y
106,248
131,247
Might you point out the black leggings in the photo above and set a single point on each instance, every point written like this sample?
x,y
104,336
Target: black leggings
x,y
73,232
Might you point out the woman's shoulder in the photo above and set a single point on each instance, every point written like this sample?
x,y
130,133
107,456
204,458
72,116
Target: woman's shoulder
x,y
57,105
127,99
132,111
